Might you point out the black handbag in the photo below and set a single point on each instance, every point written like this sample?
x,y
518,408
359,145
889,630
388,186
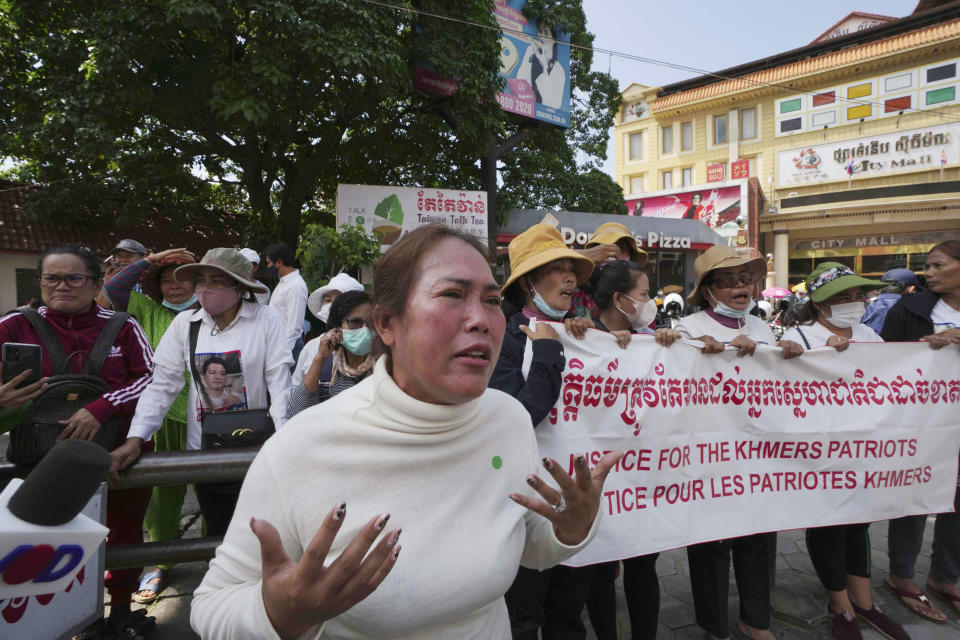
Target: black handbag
x,y
225,429
66,393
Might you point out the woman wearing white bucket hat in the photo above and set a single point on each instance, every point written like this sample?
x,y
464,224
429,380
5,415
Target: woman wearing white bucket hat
x,y
727,281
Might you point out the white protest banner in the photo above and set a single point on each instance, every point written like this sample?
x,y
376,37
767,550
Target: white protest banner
x,y
720,446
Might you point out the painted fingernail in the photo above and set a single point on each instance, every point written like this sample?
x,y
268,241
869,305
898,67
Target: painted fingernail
x,y
382,522
532,480
396,552
546,463
580,459
340,512
394,538
253,521
515,497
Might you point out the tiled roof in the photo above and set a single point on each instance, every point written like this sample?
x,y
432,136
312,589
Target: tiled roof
x,y
872,50
18,234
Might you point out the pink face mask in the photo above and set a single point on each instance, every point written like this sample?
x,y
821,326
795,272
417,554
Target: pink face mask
x,y
217,301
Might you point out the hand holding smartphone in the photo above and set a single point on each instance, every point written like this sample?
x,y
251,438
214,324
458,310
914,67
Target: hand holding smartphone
x,y
18,358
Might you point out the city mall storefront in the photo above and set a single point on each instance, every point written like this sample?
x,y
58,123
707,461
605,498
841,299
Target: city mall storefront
x,y
672,244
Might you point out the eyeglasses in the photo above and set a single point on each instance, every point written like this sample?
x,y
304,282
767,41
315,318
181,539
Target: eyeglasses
x,y
355,322
729,280
73,280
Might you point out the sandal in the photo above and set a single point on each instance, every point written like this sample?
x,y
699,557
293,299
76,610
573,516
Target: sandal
x,y
147,583
951,599
908,598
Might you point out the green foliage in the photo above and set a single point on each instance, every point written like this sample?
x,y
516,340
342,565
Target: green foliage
x,y
324,252
123,110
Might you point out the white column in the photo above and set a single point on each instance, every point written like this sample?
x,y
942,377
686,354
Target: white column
x,y
781,254
733,138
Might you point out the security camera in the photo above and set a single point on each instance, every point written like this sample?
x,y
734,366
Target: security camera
x,y
741,220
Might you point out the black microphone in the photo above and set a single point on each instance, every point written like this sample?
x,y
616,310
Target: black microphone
x,y
61,484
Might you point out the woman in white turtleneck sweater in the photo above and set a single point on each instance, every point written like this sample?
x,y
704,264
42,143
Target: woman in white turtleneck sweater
x,y
422,443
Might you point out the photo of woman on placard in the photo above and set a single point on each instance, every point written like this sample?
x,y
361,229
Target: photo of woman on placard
x,y
541,69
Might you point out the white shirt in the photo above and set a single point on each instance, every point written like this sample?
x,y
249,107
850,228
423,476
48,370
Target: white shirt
x,y
262,298
257,362
944,317
443,472
290,301
817,335
701,324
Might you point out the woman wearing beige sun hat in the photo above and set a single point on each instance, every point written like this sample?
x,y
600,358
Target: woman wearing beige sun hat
x,y
544,275
726,283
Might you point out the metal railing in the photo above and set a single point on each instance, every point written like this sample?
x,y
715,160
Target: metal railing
x,y
164,469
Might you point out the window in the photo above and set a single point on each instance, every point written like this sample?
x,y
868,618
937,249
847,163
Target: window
x,y
636,146
667,180
748,123
666,139
636,184
720,129
686,136
686,176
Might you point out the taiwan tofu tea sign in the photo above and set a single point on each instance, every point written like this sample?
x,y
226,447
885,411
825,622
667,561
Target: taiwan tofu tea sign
x,y
390,212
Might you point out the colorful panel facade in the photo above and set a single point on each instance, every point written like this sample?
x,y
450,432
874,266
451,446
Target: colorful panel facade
x,y
928,87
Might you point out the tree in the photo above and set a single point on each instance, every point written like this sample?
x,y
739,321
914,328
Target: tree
x,y
124,109
324,252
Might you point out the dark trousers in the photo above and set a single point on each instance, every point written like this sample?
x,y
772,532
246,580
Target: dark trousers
x,y
641,587
839,551
125,511
550,600
217,502
710,581
905,537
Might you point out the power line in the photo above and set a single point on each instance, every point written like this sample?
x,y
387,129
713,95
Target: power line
x,y
653,61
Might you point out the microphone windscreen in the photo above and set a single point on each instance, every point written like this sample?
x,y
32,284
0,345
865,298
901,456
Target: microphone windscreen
x,y
61,484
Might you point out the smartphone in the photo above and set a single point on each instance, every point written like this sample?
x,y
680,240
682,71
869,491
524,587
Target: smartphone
x,y
17,358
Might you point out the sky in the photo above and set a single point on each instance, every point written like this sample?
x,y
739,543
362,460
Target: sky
x,y
709,35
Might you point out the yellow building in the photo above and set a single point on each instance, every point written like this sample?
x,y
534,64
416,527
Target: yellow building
x,y
855,140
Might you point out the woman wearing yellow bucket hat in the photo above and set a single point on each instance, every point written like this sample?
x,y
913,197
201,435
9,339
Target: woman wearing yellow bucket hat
x,y
544,276
726,282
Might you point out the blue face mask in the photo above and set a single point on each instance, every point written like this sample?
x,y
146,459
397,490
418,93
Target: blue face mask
x,y
183,306
728,311
546,309
357,341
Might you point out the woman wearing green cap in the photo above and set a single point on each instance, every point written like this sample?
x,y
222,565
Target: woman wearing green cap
x,y
841,553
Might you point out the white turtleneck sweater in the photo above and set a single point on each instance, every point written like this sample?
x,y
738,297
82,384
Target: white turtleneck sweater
x,y
443,473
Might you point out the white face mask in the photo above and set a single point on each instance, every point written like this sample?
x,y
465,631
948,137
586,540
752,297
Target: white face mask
x,y
643,314
324,312
844,316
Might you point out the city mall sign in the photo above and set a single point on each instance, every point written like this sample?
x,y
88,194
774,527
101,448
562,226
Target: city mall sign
x,y
889,153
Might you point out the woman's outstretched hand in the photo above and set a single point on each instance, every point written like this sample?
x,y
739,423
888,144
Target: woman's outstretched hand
x,y
573,508
299,596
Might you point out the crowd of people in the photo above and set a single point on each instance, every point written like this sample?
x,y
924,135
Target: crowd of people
x,y
410,406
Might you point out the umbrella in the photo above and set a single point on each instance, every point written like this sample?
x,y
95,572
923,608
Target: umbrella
x,y
775,292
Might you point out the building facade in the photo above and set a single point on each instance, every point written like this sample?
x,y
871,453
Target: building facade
x,y
855,140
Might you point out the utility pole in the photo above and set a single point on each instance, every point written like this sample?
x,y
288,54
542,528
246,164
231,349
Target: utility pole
x,y
488,174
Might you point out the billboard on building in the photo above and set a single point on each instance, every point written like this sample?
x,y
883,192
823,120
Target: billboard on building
x,y
390,212
713,206
534,63
928,148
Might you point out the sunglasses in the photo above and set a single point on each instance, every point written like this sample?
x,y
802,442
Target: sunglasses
x,y
730,280
355,322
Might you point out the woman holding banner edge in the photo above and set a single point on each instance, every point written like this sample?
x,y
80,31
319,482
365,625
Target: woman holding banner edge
x,y
727,282
544,276
621,291
931,316
841,553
